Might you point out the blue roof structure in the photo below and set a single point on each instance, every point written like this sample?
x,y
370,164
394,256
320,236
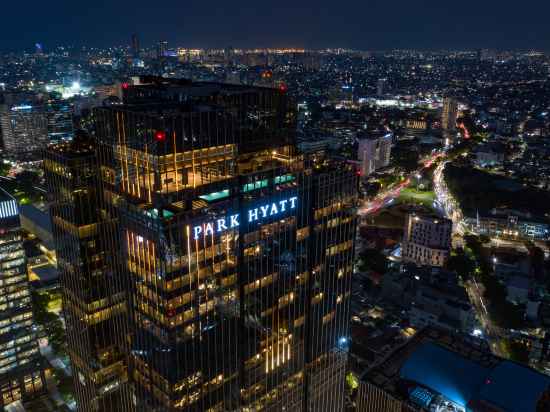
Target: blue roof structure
x,y
446,372
509,386
514,388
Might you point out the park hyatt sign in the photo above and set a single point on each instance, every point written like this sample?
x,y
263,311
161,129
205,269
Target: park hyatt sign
x,y
253,215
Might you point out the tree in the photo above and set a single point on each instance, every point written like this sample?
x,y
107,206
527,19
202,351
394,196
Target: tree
x,y
462,264
372,259
405,159
516,350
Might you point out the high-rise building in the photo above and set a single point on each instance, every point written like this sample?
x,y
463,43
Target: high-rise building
x,y
449,114
380,85
374,152
162,48
437,370
427,239
135,45
24,130
22,369
60,120
236,251
94,297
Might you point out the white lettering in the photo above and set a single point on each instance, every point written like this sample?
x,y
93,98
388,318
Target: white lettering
x,y
252,215
221,225
293,202
234,221
197,231
209,229
264,210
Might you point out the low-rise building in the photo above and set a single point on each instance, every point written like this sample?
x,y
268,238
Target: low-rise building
x,y
439,371
427,239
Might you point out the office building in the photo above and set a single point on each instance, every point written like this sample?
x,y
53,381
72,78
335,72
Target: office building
x,y
60,120
135,45
440,371
449,114
236,250
380,85
374,152
426,239
162,48
94,297
22,369
24,130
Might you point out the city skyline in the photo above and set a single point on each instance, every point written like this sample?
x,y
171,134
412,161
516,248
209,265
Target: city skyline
x,y
376,26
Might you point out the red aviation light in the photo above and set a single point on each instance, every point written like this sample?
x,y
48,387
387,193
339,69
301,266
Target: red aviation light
x,y
160,136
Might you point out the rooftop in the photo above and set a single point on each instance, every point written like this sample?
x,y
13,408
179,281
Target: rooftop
x,y
462,369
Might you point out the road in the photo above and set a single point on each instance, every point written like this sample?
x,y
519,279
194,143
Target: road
x,y
492,333
386,198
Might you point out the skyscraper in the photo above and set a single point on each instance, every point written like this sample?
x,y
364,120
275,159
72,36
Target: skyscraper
x,y
22,369
162,48
24,130
449,114
374,152
380,85
94,298
236,250
135,45
59,115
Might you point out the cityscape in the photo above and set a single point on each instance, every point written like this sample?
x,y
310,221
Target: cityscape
x,y
299,229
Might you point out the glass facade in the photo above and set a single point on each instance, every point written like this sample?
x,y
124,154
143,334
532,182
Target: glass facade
x,y
235,251
22,372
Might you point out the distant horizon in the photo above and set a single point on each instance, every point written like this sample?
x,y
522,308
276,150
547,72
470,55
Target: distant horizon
x,y
373,25
151,46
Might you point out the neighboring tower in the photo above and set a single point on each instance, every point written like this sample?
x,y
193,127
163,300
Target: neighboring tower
x,y
22,368
374,153
380,85
24,130
60,120
38,49
94,292
162,48
427,239
135,45
367,155
449,114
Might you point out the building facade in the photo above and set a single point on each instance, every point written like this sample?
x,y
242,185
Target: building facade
x,y
374,153
23,373
449,114
427,239
24,130
235,250
94,298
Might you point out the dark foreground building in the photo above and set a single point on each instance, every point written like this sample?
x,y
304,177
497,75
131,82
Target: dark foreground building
x,y
234,252
22,369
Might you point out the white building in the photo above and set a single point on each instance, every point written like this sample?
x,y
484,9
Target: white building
x,y
374,153
427,240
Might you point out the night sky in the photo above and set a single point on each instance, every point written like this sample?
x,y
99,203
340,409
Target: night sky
x,y
361,24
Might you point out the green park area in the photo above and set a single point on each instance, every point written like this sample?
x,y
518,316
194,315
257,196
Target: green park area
x,y
417,197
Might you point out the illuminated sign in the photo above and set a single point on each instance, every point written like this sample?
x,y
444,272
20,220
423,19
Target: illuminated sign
x,y
253,215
